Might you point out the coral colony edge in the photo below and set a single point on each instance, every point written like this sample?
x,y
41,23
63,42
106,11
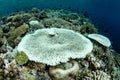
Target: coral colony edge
x,y
54,45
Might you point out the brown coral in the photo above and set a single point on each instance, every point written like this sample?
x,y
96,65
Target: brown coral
x,y
16,33
88,28
36,66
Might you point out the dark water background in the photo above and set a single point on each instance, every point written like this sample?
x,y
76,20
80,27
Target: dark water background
x,y
105,14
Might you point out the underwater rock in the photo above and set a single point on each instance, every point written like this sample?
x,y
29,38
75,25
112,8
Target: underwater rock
x,y
60,73
62,45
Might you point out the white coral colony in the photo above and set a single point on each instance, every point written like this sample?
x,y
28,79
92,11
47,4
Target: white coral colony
x,y
101,39
53,45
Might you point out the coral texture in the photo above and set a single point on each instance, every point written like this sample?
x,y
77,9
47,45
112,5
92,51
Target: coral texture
x,y
101,39
21,58
97,75
53,45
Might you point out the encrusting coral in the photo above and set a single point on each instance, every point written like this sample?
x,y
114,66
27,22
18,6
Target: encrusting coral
x,y
21,58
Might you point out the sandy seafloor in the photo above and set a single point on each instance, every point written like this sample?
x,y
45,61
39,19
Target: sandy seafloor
x,y
103,63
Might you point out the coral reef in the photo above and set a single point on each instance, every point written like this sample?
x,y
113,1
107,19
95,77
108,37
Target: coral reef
x,y
102,63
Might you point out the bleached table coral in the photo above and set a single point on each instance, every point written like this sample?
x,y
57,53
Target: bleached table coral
x,y
53,45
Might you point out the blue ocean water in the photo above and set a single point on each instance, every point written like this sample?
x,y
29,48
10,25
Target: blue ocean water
x,y
105,14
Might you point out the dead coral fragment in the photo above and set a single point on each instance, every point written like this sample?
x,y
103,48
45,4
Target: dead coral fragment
x,y
97,75
60,73
21,58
